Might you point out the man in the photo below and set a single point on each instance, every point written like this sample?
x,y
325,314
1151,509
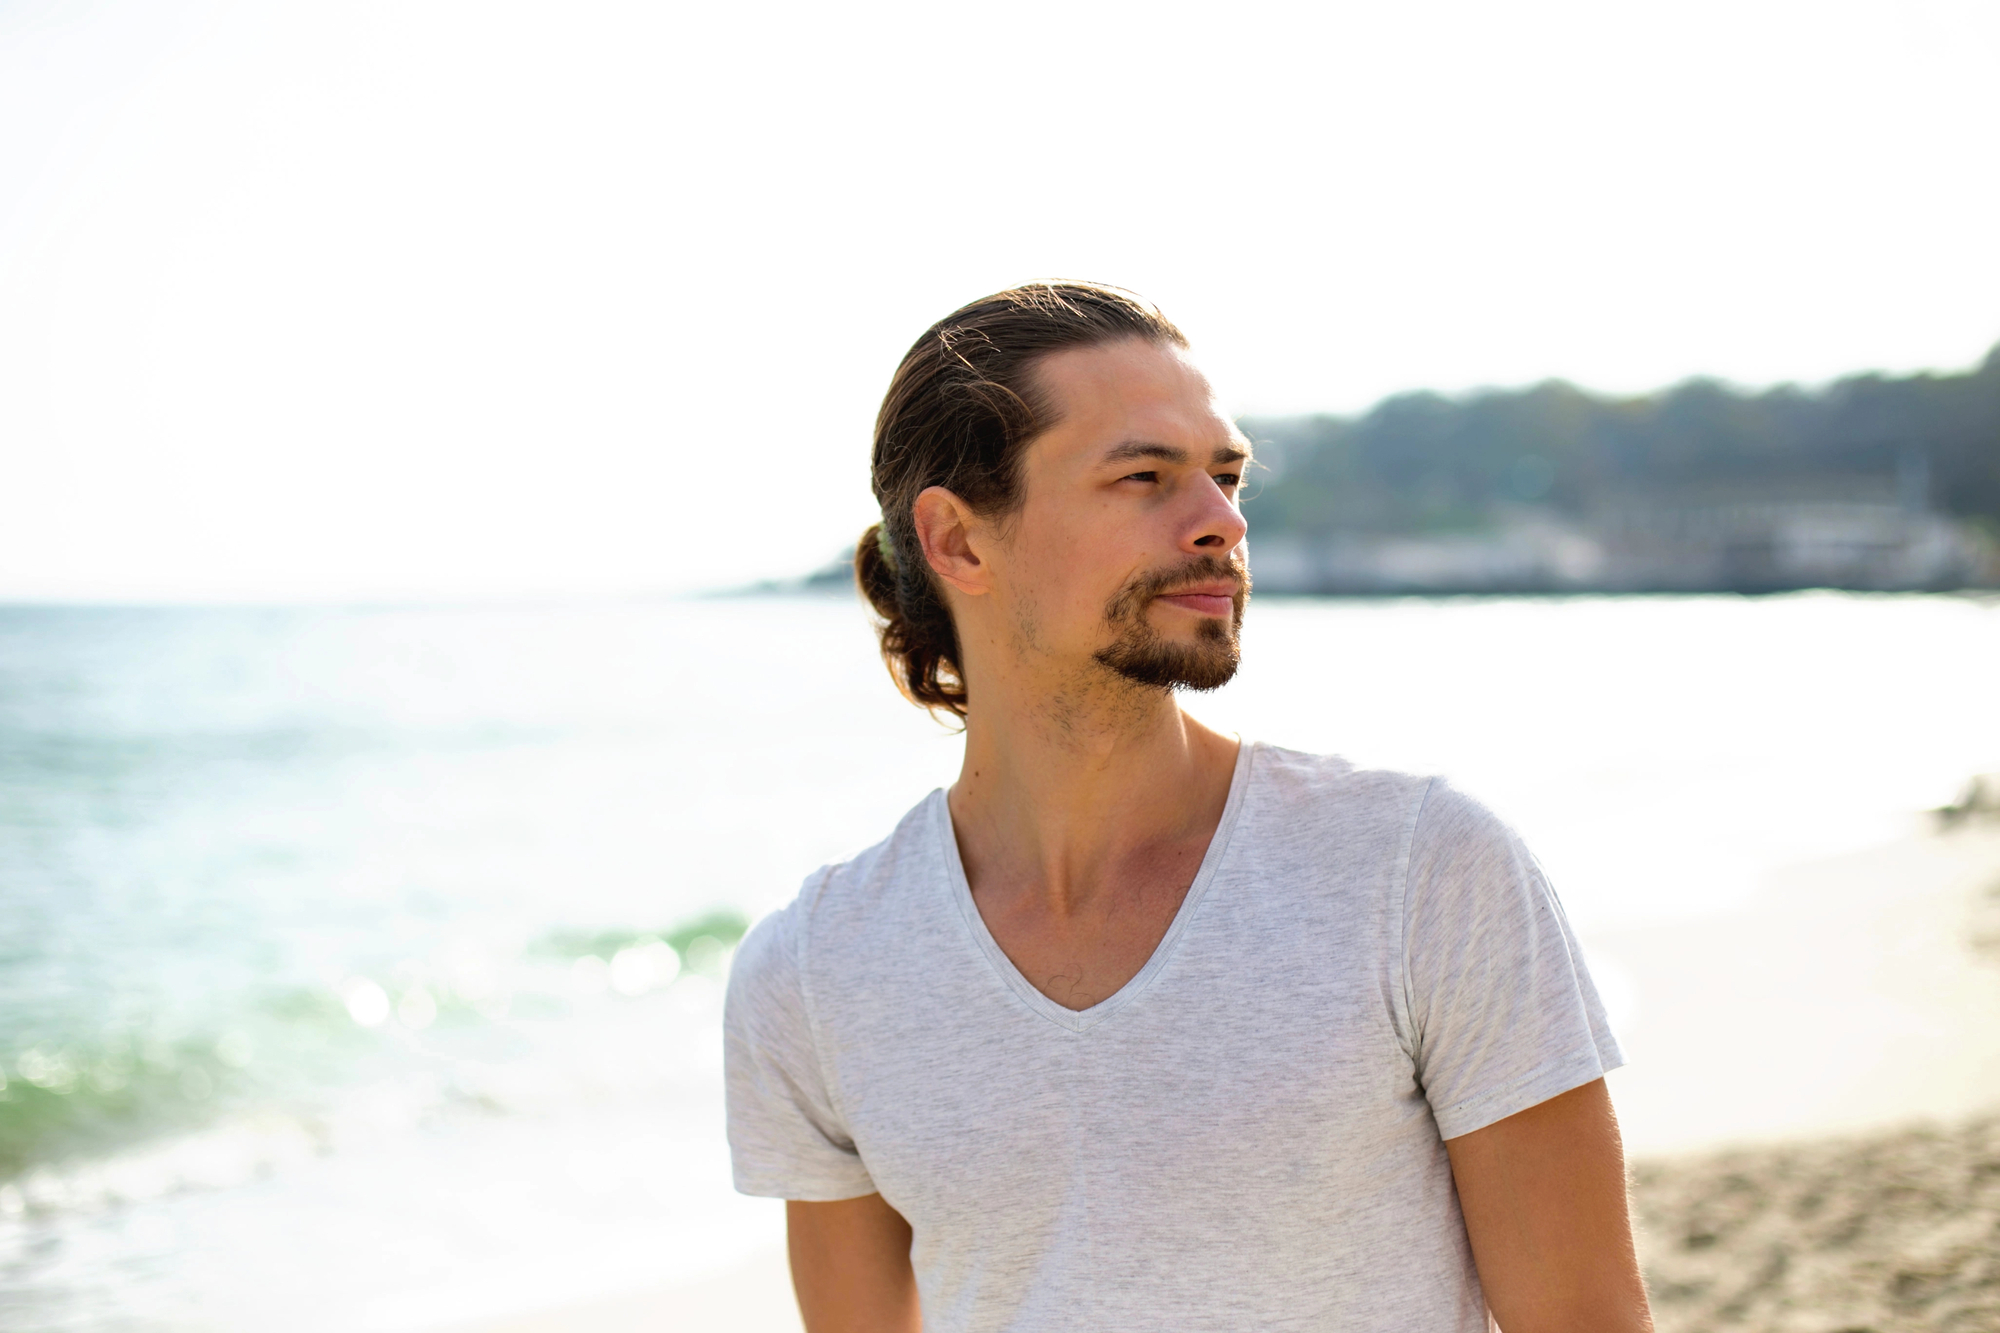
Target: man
x,y
1138,1027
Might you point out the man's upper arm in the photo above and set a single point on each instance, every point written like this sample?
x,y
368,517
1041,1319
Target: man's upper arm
x,y
1501,1013
787,1138
851,1266
1543,1193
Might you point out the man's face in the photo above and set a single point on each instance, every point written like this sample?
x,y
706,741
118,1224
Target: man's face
x,y
1127,550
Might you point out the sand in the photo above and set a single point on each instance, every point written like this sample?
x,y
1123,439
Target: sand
x,y
1813,1110
1862,994
1893,1233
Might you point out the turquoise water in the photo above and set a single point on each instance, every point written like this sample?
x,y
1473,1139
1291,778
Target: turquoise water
x,y
360,968
210,843
290,888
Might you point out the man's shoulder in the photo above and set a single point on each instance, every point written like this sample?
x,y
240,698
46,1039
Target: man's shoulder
x,y
1295,783
852,893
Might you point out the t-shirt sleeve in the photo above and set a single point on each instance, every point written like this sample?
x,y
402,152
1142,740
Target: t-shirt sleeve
x,y
1501,1011
786,1139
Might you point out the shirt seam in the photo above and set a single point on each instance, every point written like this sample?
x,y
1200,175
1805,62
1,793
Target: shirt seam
x,y
1580,1057
1168,947
948,848
800,946
777,1185
1403,990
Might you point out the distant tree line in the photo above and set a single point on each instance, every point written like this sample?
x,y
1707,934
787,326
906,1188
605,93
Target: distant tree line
x,y
1426,463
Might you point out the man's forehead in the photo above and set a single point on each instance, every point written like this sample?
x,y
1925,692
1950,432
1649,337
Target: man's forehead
x,y
1128,371
1133,394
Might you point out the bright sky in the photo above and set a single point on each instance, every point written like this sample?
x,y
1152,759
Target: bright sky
x,y
403,299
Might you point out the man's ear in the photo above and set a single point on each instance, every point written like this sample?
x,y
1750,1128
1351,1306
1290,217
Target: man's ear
x,y
951,535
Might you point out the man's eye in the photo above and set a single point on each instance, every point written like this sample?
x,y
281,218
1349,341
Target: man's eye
x,y
1228,479
1143,476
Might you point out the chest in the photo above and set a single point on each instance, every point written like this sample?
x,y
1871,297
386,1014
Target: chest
x,y
1082,957
1261,1049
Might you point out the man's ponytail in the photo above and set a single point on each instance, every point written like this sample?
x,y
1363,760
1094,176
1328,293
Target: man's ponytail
x,y
918,640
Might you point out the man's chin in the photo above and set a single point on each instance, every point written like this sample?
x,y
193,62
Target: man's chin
x,y
1203,659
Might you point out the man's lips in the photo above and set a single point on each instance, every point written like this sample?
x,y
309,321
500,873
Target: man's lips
x,y
1210,599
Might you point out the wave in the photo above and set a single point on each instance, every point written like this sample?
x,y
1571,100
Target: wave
x,y
62,1100
288,1052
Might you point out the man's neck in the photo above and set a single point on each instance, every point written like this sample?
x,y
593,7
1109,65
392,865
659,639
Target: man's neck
x,y
1067,785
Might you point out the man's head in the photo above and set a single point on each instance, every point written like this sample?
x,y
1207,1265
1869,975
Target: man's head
x,y
1053,472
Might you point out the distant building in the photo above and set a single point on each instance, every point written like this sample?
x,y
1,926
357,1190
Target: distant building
x,y
1740,545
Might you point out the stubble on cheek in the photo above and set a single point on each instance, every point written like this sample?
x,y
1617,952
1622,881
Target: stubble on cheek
x,y
1028,625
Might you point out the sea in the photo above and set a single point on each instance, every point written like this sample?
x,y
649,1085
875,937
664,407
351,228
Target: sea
x,y
361,968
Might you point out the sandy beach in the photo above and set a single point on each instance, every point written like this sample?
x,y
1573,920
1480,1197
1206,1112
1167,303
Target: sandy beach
x,y
1812,1108
1895,1233
1850,1024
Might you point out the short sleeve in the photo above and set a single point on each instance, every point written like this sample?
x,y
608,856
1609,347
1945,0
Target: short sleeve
x,y
1501,1011
786,1140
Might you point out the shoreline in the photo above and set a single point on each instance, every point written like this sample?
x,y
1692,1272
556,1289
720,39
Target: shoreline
x,y
1850,996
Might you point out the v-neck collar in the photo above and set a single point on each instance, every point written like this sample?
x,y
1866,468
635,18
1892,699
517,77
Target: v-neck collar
x,y
1077,1020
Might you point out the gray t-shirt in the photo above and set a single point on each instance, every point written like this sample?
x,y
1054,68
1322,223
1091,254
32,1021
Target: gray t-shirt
x,y
1249,1135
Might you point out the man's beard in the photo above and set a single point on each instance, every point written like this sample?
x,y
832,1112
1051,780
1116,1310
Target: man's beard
x,y
1143,656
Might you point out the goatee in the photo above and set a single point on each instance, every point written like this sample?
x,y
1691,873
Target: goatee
x,y
1143,656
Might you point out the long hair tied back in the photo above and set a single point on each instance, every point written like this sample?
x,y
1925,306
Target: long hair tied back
x,y
960,409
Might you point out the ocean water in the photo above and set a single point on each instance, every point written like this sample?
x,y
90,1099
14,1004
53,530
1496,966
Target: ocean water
x,y
361,969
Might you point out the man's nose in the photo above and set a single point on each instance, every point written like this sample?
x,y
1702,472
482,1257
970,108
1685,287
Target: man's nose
x,y
1217,525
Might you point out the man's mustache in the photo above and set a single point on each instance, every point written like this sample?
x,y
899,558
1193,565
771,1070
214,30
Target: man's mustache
x,y
1166,582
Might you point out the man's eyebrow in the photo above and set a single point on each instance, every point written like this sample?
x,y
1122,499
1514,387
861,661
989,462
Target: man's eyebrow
x,y
1168,453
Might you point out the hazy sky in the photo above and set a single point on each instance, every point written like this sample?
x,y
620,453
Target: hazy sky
x,y
324,300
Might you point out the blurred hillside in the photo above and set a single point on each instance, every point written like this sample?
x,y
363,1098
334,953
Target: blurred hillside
x,y
1872,482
